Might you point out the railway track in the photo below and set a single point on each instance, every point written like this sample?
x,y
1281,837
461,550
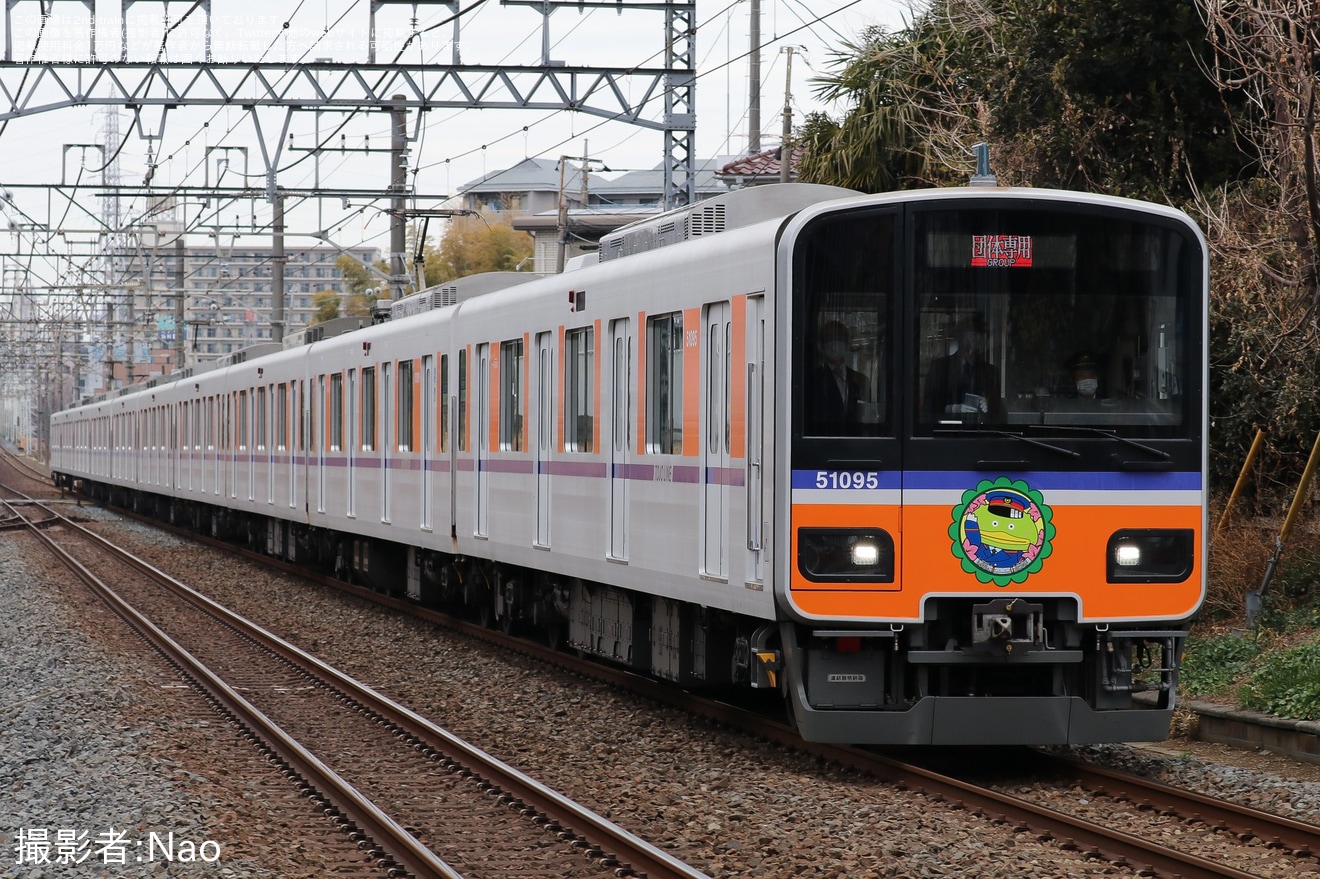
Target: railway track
x,y
417,799
1283,840
17,480
1290,846
16,464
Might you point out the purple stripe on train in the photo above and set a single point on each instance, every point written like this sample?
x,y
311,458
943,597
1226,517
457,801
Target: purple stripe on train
x,y
687,474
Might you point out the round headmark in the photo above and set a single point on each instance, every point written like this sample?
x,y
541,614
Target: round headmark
x,y
1002,531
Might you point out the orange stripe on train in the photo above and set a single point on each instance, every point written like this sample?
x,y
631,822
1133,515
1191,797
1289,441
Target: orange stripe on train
x,y
926,564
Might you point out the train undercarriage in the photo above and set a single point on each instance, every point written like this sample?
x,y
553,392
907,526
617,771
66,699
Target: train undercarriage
x,y
1006,671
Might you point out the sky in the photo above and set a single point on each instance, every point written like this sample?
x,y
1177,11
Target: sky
x,y
451,148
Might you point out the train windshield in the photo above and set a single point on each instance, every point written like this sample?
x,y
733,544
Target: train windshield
x,y
1052,321
847,270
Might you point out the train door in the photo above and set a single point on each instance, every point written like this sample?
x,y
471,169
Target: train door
x,y
168,444
212,442
185,448
233,438
388,434
620,422
291,406
296,439
251,410
351,440
429,446
755,432
197,446
240,441
715,446
134,466
483,437
324,442
197,467
272,436
545,421
458,427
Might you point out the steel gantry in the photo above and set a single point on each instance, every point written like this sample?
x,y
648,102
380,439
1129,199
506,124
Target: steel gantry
x,y
658,98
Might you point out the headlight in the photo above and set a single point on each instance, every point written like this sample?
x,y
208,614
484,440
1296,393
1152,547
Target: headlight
x,y
1151,555
1127,555
865,554
846,556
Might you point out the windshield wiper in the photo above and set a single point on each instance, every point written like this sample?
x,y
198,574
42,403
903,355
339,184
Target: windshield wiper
x,y
983,431
1107,434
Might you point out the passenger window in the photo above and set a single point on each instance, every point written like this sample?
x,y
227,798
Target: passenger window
x,y
511,380
368,408
579,390
664,384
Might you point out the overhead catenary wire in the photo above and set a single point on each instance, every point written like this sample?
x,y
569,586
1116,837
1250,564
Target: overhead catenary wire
x,y
415,40
553,149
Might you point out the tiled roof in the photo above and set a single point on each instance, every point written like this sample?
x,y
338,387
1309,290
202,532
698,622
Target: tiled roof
x,y
764,164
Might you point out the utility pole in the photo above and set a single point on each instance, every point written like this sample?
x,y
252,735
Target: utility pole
x,y
562,221
110,344
398,188
563,199
277,259
754,84
786,146
180,278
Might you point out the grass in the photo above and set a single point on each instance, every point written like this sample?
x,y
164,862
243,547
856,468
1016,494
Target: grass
x,y
1287,684
1274,668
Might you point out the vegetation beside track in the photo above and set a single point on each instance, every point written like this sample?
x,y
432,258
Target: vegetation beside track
x,y
1275,668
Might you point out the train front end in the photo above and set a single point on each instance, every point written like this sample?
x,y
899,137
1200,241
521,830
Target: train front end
x,y
994,527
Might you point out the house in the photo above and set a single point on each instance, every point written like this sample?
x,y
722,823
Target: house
x,y
760,168
528,196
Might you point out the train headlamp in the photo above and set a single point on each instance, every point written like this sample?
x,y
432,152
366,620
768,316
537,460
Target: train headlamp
x,y
845,555
865,554
1127,555
1151,555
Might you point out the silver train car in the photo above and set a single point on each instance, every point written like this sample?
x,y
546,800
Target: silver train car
x,y
931,465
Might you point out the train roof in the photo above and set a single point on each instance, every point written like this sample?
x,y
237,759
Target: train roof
x,y
721,213
458,290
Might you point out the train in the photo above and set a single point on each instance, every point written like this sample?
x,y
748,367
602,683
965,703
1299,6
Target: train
x,y
930,466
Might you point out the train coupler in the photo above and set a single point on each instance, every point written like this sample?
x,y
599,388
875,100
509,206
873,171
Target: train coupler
x,y
1006,625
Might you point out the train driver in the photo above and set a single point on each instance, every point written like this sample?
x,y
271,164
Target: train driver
x,y
964,387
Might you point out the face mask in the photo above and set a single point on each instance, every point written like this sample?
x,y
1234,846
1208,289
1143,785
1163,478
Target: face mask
x,y
1087,386
836,350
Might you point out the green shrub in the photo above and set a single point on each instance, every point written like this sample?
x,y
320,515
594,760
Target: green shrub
x,y
1288,685
1212,664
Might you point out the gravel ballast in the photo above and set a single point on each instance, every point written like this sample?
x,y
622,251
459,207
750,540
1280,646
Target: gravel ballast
x,y
729,805
84,781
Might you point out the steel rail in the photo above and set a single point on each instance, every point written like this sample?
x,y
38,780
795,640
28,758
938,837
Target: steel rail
x,y
1300,838
609,839
1072,832
396,841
